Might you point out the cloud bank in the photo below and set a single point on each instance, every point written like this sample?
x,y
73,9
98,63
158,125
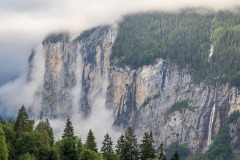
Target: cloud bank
x,y
25,23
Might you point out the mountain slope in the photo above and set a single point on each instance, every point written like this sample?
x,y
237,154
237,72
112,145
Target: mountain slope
x,y
156,73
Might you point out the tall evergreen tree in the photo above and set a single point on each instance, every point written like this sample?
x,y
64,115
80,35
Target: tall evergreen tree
x,y
23,124
90,142
107,149
160,151
68,145
3,146
120,146
130,149
80,146
147,146
50,132
68,131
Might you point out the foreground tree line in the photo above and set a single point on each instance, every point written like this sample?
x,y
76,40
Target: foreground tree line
x,y
20,140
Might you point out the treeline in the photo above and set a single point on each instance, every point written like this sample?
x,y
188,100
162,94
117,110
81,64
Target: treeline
x,y
20,140
184,39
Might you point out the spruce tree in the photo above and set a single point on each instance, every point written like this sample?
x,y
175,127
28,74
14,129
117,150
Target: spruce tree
x,y
23,124
107,149
68,131
50,132
79,146
21,121
130,148
160,151
120,146
68,144
147,146
90,142
3,146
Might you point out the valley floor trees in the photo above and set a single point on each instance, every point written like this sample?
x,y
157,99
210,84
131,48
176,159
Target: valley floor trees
x,y
20,141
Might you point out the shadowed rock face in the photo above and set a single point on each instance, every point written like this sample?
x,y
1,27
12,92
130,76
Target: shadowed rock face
x,y
160,97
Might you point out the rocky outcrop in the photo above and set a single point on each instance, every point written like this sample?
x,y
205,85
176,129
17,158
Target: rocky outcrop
x,y
160,97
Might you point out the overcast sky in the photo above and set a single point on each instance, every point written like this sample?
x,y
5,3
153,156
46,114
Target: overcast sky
x,y
24,23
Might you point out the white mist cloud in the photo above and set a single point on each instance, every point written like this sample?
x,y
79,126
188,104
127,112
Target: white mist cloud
x,y
100,121
25,23
19,92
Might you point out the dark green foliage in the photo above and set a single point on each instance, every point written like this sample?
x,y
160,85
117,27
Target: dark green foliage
x,y
130,147
182,150
50,131
68,144
27,156
68,131
160,152
107,150
182,38
85,34
178,106
234,116
221,146
68,148
120,146
127,147
226,55
146,101
147,146
23,124
10,139
3,146
87,154
79,146
56,37
34,143
90,142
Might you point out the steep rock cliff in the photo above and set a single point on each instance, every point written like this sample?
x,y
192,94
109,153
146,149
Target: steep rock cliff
x,y
160,97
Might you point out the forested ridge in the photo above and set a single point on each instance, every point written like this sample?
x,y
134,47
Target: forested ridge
x,y
184,39
20,140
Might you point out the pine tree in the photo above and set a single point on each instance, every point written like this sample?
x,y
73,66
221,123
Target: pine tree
x,y
22,123
68,144
3,146
50,132
68,131
161,154
90,142
175,156
120,146
107,149
130,149
79,146
147,147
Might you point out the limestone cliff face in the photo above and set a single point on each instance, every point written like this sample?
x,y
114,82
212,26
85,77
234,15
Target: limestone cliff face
x,y
160,97
75,73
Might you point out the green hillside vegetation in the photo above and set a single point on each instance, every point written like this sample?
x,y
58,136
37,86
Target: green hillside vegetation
x,y
20,141
184,39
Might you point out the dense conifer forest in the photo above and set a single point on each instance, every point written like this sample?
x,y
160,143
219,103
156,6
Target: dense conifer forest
x,y
20,140
185,39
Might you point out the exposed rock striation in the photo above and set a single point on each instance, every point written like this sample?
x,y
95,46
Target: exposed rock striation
x,y
160,97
